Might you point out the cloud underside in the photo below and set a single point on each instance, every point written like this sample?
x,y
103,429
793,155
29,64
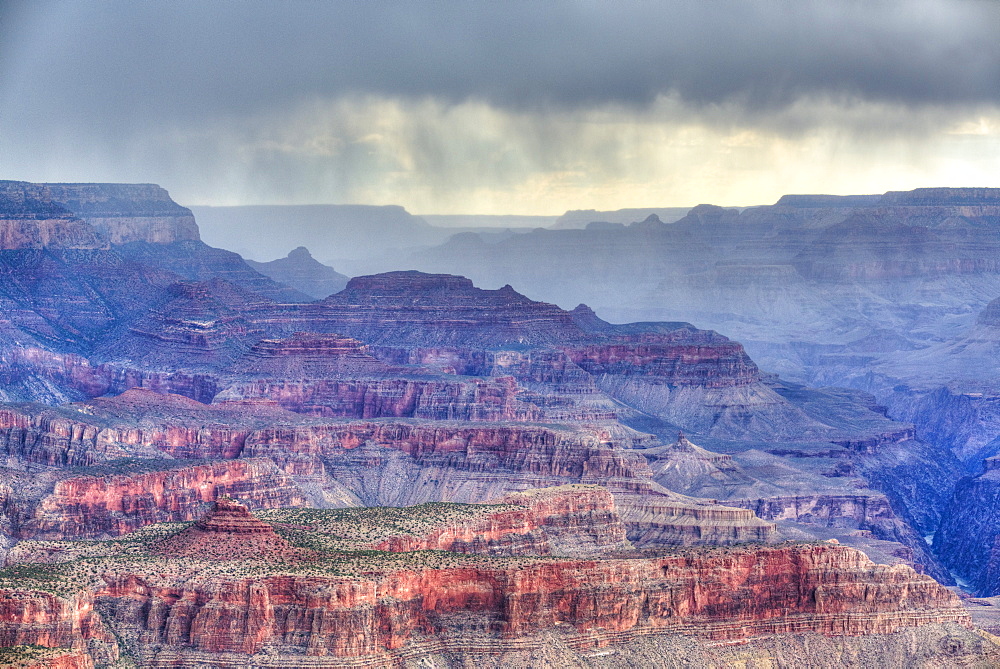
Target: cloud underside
x,y
502,107
434,157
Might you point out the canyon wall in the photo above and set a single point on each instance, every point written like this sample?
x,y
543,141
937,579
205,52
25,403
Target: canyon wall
x,y
123,213
722,596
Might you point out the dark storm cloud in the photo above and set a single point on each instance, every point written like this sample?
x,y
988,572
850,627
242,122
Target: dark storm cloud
x,y
175,61
500,106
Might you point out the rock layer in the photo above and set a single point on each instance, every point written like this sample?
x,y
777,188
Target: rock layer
x,y
108,506
729,596
31,219
123,213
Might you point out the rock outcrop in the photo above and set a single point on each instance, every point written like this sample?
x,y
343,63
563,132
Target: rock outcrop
x,y
379,610
195,326
429,399
87,507
441,310
31,219
89,215
303,273
569,520
123,213
70,622
228,532
307,355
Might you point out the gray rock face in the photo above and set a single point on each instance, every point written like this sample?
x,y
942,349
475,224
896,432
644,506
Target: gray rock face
x,y
303,273
31,219
123,213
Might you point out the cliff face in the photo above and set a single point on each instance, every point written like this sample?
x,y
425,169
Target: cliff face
x,y
442,310
430,399
720,596
970,530
565,520
468,462
60,438
194,326
230,586
123,213
86,216
308,355
94,507
36,618
31,219
715,363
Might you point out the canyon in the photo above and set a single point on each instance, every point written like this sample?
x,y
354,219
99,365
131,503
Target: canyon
x,y
290,591
505,456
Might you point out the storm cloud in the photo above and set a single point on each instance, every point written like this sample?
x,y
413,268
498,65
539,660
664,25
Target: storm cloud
x,y
445,102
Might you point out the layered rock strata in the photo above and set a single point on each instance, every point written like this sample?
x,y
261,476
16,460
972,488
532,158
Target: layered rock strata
x,y
123,213
228,532
370,462
112,505
31,219
379,610
70,622
564,520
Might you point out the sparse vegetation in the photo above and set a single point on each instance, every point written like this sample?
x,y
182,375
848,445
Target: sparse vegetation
x,y
29,655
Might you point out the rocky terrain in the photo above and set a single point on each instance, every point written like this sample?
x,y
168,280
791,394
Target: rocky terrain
x,y
295,591
303,273
890,294
148,378
122,213
969,538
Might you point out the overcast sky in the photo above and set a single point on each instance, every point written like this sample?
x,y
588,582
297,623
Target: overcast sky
x,y
502,107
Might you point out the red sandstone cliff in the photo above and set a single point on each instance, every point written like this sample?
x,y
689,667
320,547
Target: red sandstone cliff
x,y
108,506
229,587
564,520
719,595
32,617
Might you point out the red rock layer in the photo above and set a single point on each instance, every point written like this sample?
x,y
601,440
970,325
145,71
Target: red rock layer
x,y
309,355
228,532
721,595
82,377
463,463
61,437
673,520
565,520
92,506
585,455
30,617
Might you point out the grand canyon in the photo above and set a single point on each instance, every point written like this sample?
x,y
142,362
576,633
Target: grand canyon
x,y
436,334
212,461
